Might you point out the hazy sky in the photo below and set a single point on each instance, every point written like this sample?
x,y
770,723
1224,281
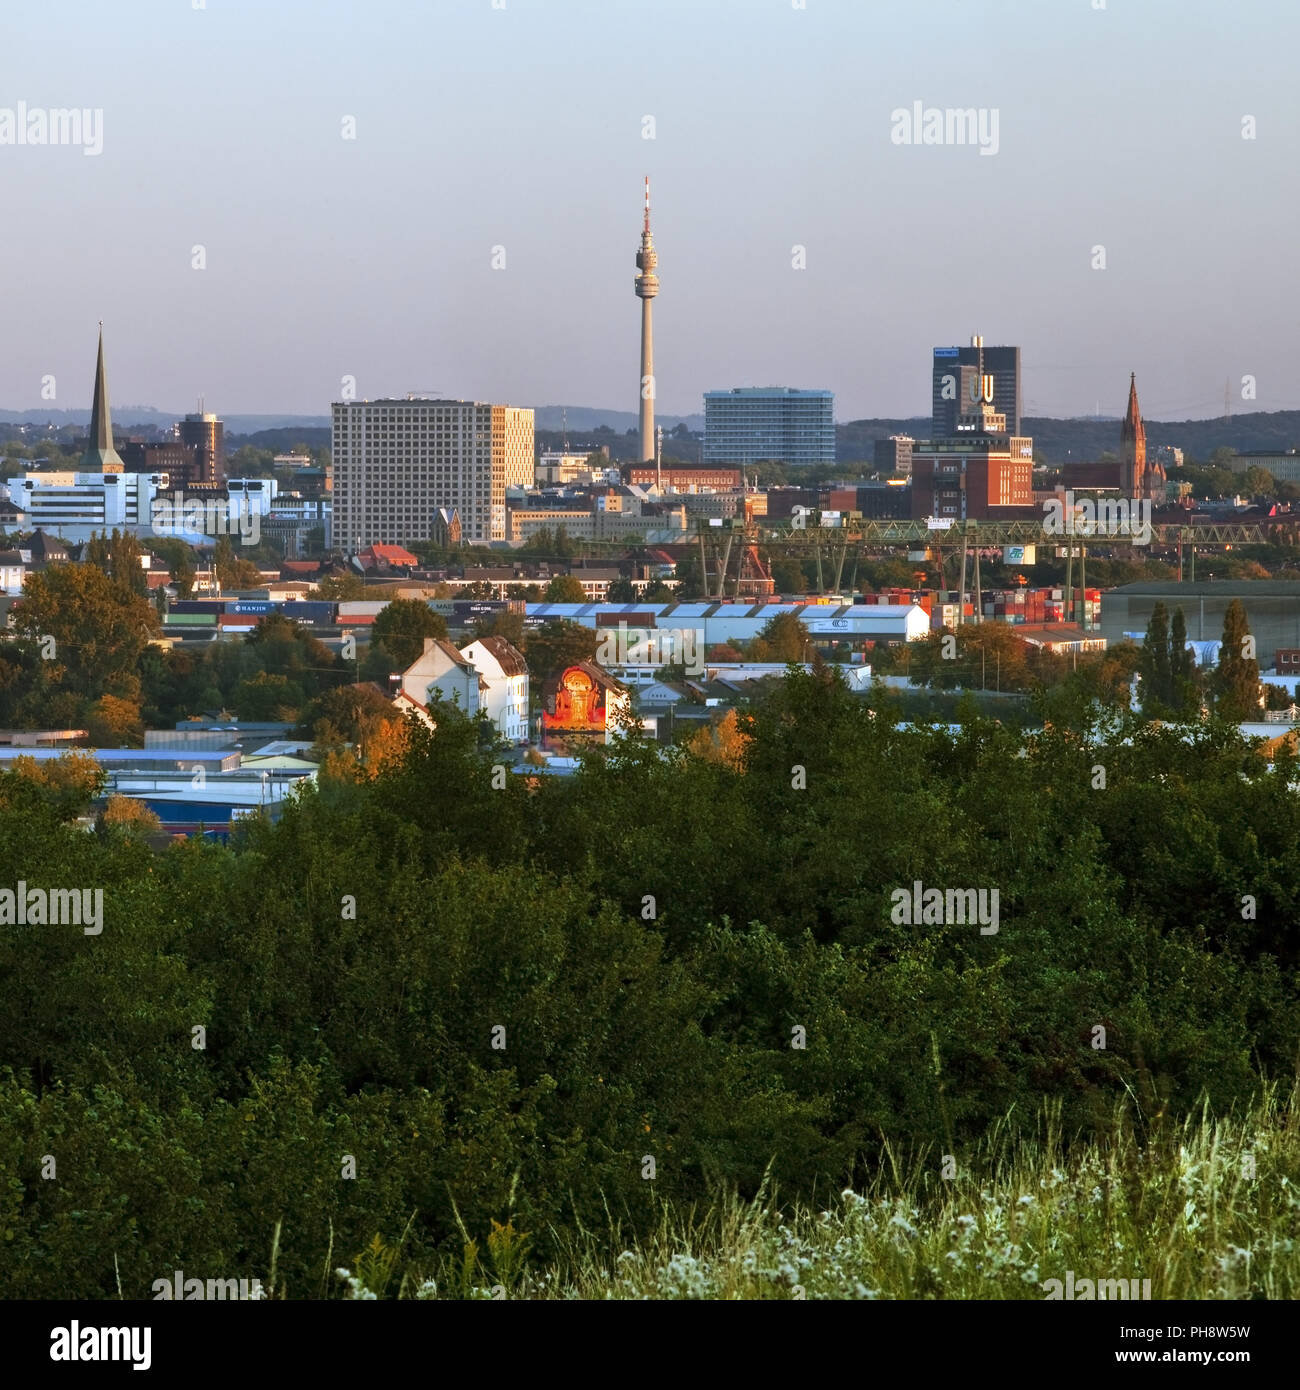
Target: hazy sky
x,y
522,127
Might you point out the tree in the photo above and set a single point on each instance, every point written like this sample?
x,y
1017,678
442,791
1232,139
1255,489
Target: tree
x,y
129,816
232,571
1184,688
344,714
689,577
721,742
556,645
378,664
539,542
99,628
68,783
983,656
268,697
783,638
1236,678
1258,482
788,576
564,588
284,647
121,556
179,559
621,591
1277,697
403,625
1156,690
505,624
347,585
112,722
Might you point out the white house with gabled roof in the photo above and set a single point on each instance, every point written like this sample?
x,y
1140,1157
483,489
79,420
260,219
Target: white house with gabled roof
x,y
504,671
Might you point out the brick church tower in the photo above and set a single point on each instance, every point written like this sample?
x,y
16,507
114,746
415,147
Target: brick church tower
x,y
1138,479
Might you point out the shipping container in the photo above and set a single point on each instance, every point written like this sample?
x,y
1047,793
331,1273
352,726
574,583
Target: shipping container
x,y
312,612
352,608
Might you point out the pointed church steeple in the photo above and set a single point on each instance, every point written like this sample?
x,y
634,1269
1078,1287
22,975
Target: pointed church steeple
x,y
100,453
1133,438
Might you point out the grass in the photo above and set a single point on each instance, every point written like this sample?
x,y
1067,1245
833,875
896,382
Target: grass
x,y
1205,1209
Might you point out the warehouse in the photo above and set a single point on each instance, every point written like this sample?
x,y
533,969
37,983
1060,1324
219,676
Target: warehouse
x,y
1272,610
721,623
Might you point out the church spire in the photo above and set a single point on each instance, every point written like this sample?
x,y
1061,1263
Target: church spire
x,y
1133,438
100,453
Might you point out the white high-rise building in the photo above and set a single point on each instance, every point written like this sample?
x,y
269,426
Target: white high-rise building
x,y
396,462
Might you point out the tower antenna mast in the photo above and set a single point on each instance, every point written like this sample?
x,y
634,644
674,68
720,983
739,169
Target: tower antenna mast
x,y
646,285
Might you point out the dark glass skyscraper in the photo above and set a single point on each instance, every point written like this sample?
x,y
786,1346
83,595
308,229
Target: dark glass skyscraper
x,y
207,435
1001,363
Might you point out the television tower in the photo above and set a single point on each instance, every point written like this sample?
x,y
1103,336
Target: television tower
x,y
647,286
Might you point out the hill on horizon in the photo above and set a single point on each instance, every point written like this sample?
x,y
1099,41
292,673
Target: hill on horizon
x,y
1056,440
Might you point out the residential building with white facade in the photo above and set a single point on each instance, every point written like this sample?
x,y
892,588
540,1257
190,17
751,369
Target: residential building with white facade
x,y
13,572
440,672
488,675
397,462
505,673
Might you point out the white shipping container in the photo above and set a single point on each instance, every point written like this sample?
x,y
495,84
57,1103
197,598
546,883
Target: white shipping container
x,y
361,608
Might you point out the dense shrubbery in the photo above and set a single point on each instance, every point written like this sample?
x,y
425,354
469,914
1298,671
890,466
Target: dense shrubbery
x,y
648,935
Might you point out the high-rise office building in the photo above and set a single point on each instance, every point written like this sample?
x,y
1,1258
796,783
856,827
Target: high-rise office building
x,y
977,466
519,447
780,424
955,370
398,461
207,435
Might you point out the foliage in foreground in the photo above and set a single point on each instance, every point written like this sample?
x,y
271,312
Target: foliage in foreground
x,y
492,1002
1205,1209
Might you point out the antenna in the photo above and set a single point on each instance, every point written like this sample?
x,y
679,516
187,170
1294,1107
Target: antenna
x,y
647,202
564,426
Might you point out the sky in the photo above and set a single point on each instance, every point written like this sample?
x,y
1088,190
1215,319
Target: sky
x,y
515,131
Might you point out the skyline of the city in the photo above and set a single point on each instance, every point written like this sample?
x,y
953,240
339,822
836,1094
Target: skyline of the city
x,y
505,275
523,780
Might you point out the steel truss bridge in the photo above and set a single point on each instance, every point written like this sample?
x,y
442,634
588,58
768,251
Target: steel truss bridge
x,y
836,545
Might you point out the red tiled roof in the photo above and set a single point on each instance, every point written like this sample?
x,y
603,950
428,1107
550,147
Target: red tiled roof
x,y
394,554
